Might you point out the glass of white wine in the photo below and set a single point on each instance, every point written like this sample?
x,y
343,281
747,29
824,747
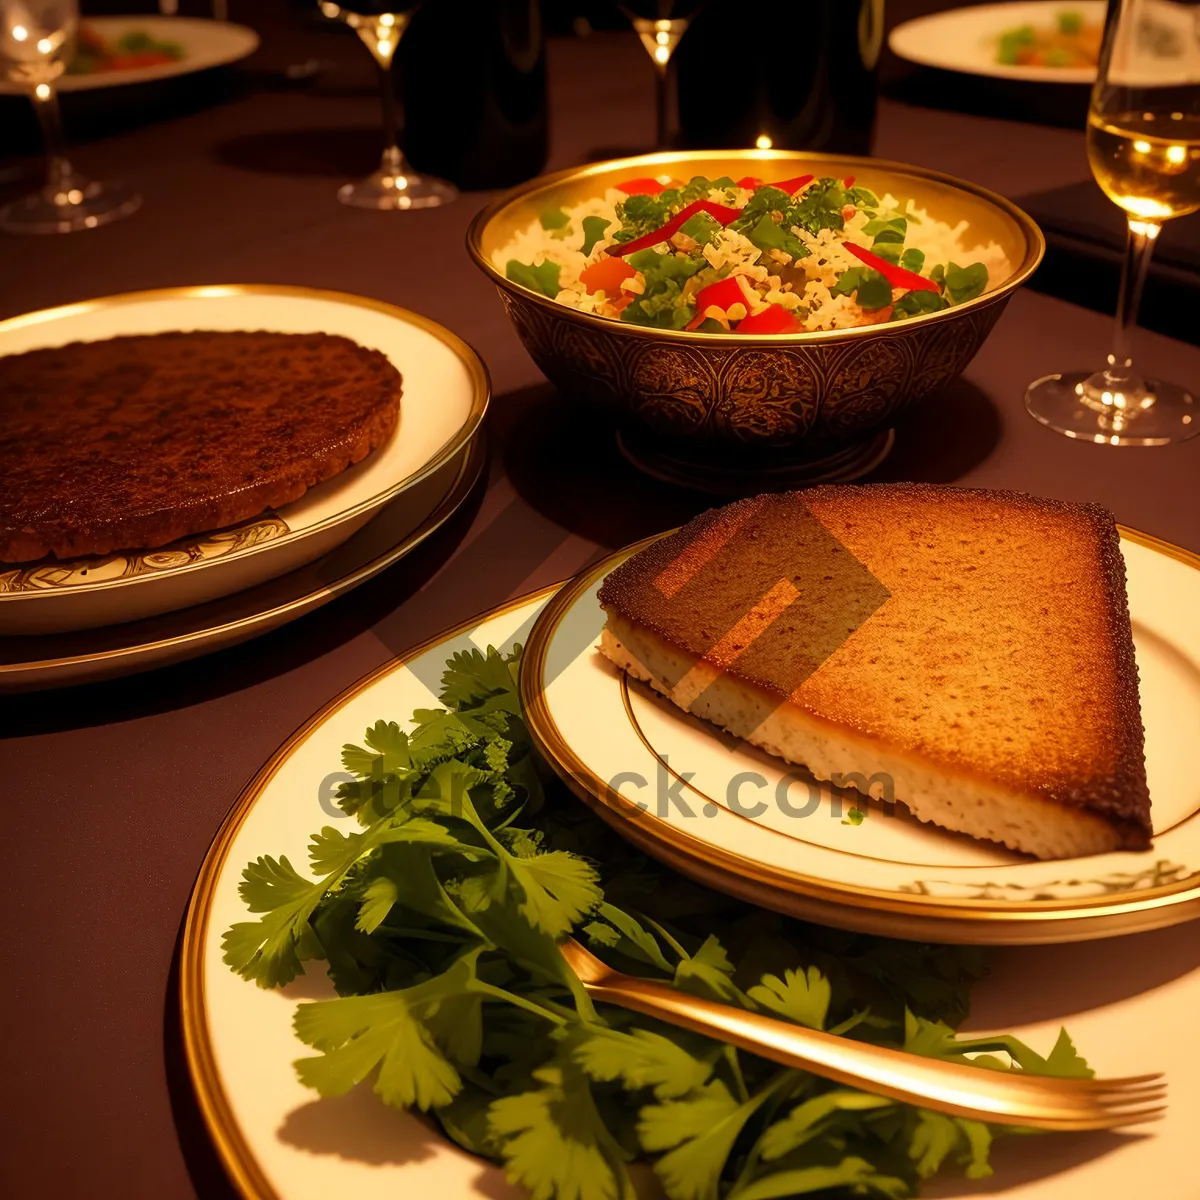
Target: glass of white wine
x,y
37,40
380,24
1143,142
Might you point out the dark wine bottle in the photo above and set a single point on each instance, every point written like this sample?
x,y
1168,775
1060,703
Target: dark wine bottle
x,y
811,85
473,78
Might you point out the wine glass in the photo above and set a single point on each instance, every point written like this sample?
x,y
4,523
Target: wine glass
x,y
37,39
660,24
395,185
1143,142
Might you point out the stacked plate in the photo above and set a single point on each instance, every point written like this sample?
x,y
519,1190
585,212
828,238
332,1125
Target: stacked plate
x,y
89,618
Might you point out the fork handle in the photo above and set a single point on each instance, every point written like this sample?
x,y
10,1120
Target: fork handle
x,y
931,1083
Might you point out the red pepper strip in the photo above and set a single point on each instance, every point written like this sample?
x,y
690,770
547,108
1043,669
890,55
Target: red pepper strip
x,y
723,294
898,277
717,211
792,186
640,187
750,182
849,181
775,319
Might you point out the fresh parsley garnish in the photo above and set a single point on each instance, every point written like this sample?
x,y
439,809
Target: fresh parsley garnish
x,y
869,287
542,278
438,919
593,231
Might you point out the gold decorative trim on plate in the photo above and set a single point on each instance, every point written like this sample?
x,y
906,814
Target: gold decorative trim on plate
x,y
1162,893
194,634
214,1104
203,547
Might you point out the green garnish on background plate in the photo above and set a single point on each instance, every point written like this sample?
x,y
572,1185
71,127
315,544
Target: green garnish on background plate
x,y
438,920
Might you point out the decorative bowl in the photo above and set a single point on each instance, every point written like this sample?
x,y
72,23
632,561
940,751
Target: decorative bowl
x,y
702,399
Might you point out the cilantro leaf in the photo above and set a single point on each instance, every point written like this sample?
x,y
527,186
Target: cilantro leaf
x,y
699,1134
803,1181
708,972
963,283
640,215
868,286
809,1119
559,889
701,227
357,1034
937,1136
541,278
628,937
800,996
555,1143
767,235
593,231
472,676
640,1058
914,303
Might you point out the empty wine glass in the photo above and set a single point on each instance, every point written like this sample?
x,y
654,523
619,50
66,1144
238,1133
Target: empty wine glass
x,y
1143,141
37,39
660,24
395,185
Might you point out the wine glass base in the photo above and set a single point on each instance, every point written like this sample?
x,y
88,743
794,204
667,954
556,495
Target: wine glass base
x,y
391,191
83,205
1056,401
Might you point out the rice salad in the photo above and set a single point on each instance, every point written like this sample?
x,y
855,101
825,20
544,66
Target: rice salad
x,y
719,256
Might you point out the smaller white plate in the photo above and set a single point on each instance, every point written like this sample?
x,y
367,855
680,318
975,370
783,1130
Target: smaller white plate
x,y
205,43
445,394
738,820
967,39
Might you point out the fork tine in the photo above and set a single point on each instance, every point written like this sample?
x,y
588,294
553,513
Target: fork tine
x,y
1130,1080
1131,1096
1116,1121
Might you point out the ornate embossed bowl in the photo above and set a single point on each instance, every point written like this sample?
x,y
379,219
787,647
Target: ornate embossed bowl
x,y
691,401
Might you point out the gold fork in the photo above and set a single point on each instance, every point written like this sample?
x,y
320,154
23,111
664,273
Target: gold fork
x,y
1003,1097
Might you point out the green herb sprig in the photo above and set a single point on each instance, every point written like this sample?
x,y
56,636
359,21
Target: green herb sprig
x,y
438,920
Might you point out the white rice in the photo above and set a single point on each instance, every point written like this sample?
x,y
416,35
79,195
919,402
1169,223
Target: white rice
x,y
941,242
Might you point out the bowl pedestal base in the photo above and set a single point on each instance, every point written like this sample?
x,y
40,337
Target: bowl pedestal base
x,y
724,472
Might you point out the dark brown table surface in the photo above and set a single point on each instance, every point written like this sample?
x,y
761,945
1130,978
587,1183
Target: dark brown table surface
x,y
113,791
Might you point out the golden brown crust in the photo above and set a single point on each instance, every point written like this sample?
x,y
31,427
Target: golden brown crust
x,y
133,442
985,631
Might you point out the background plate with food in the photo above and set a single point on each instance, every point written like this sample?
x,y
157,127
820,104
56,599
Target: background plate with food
x,y
111,51
416,390
1034,40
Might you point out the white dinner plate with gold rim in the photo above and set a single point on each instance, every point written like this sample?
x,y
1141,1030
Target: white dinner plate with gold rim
x,y
445,395
740,820
279,1141
968,39
56,660
205,44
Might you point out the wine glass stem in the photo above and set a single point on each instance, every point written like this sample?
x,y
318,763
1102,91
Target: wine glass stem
x,y
393,157
391,120
1138,249
58,169
662,104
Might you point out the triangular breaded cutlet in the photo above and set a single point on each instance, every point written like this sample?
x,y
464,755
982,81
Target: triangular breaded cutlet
x,y
972,646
